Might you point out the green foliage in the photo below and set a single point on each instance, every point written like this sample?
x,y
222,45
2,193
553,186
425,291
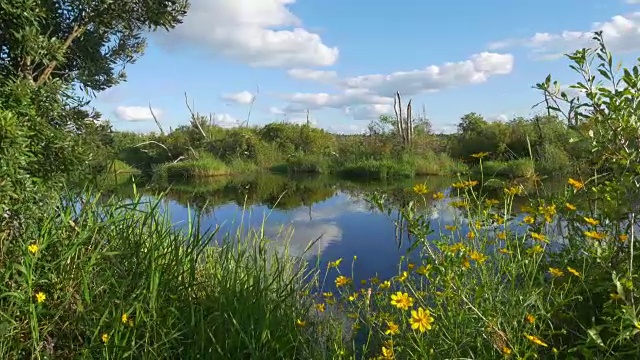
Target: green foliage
x,y
83,42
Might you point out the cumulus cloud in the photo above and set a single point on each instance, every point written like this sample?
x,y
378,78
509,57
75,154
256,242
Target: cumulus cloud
x,y
302,101
313,75
367,97
346,129
257,32
368,112
136,113
243,97
478,69
225,120
621,33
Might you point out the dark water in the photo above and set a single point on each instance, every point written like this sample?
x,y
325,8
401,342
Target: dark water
x,y
336,214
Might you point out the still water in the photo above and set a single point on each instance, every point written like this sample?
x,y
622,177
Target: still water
x,y
334,213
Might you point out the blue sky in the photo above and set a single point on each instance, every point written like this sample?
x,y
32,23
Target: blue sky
x,y
343,60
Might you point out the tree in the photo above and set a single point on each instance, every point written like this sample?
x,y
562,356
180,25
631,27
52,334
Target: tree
x,y
471,123
82,42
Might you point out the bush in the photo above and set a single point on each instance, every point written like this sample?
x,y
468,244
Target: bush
x,y
300,163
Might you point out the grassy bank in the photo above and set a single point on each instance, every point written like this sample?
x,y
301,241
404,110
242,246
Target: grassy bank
x,y
110,281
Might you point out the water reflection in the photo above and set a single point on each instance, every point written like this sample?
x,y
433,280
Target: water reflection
x,y
333,214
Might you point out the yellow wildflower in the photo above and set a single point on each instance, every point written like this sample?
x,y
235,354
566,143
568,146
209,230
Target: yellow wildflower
x,y
385,285
555,272
387,353
335,264
504,251
491,202
40,297
530,318
105,338
513,190
403,276
353,297
536,340
424,270
591,221
342,281
456,247
321,307
577,185
466,263
124,318
480,155
438,196
327,295
536,249
450,227
506,350
528,220
420,189
594,235
301,323
471,235
570,206
623,237
33,248
501,235
410,266
538,236
401,300
421,319
392,328
478,257
573,271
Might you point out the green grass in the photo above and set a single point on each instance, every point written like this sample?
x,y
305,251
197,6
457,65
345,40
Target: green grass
x,y
183,299
116,174
520,168
297,164
204,166
376,170
437,164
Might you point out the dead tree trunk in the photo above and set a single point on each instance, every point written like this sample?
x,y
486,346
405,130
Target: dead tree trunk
x,y
404,124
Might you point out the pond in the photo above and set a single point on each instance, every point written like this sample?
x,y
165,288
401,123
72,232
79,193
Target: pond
x,y
335,215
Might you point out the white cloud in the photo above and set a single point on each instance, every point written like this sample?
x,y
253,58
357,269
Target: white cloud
x,y
302,101
369,96
276,111
632,2
244,97
258,32
621,34
225,120
478,69
500,118
369,112
346,129
136,113
313,75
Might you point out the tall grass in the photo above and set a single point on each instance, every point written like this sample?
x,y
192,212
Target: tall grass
x,y
114,279
204,166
